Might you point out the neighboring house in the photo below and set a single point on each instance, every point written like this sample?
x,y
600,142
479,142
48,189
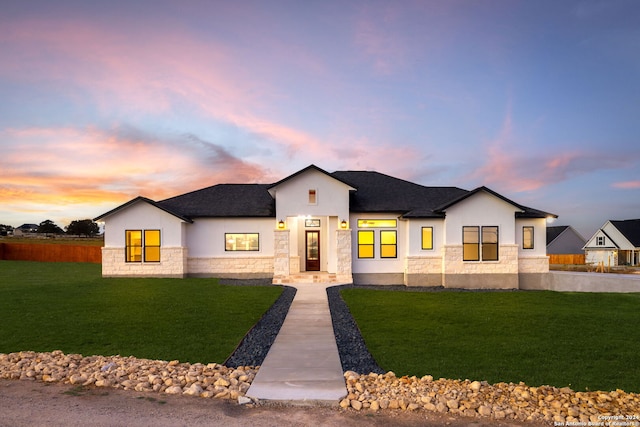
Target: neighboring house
x,y
564,239
25,229
615,243
343,227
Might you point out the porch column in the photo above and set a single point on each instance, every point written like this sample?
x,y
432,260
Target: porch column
x,y
343,239
280,255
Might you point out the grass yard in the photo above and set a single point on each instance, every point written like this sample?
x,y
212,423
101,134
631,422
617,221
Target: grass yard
x,y
587,341
70,307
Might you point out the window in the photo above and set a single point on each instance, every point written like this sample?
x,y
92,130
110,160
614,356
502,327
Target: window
x,y
388,244
490,243
471,243
427,238
242,241
366,241
527,237
152,245
142,242
600,241
377,223
313,197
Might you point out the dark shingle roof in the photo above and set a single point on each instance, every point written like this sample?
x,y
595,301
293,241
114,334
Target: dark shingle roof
x,y
630,228
554,232
169,210
225,200
377,192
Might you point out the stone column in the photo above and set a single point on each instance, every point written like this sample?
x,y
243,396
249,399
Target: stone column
x,y
343,248
280,255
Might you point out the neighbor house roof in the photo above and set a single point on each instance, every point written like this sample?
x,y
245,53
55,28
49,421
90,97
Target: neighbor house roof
x,y
630,228
554,231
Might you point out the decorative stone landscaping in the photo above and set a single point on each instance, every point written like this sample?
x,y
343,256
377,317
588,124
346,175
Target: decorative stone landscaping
x,y
371,392
374,392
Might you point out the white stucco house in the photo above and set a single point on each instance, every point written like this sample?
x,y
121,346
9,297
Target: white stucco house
x,y
615,243
342,227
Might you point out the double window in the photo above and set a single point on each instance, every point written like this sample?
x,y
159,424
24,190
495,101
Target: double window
x,y
142,245
479,243
367,238
242,242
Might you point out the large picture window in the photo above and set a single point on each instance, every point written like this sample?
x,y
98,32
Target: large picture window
x,y
527,237
388,244
366,243
242,242
427,238
142,245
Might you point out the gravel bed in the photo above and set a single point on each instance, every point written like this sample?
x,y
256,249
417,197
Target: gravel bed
x,y
352,349
256,343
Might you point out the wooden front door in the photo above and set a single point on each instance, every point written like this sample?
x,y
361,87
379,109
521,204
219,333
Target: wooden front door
x,y
312,251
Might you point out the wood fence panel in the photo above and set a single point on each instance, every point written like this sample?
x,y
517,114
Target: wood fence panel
x,y
566,258
50,252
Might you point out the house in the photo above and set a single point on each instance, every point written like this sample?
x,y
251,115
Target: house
x,y
342,227
615,243
564,239
25,229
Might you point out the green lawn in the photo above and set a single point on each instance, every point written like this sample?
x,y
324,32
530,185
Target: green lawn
x,y
587,341
70,307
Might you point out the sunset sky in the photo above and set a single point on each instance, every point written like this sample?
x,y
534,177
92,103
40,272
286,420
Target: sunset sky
x,y
103,101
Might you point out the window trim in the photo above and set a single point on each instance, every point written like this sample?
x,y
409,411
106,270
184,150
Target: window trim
x,y
430,246
313,196
241,250
532,229
386,245
600,241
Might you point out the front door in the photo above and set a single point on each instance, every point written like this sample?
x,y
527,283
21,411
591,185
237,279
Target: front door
x,y
313,251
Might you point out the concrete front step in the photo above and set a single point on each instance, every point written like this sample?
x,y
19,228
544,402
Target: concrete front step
x,y
306,278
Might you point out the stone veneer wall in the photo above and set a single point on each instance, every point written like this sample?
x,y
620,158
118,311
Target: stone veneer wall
x,y
501,274
173,262
423,271
281,259
343,270
533,272
237,267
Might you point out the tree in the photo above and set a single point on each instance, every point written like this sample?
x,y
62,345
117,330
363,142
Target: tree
x,y
82,227
49,227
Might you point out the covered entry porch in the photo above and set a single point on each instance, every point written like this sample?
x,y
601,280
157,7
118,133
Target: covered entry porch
x,y
312,249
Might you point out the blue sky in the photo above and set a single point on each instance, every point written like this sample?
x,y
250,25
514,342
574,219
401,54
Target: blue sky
x,y
105,101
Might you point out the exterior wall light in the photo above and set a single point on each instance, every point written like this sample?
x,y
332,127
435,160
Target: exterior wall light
x,y
343,224
281,225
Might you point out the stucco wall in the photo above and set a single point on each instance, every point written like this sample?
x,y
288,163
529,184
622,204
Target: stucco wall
x,y
206,236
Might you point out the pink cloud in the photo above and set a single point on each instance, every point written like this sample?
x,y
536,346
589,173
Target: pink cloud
x,y
627,185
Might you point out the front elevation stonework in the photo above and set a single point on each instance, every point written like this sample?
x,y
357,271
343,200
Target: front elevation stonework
x,y
173,263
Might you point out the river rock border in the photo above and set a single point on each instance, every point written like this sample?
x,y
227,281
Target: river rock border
x,y
370,392
561,406
129,373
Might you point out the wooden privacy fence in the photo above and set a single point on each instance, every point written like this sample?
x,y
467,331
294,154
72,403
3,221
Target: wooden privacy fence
x,y
566,258
50,252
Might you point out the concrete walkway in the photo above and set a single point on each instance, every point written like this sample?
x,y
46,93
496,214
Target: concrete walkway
x,y
303,364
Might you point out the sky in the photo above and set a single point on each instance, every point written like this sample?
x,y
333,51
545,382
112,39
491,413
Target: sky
x,y
101,102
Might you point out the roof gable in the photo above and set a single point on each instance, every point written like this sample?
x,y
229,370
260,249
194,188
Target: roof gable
x,y
302,172
141,199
